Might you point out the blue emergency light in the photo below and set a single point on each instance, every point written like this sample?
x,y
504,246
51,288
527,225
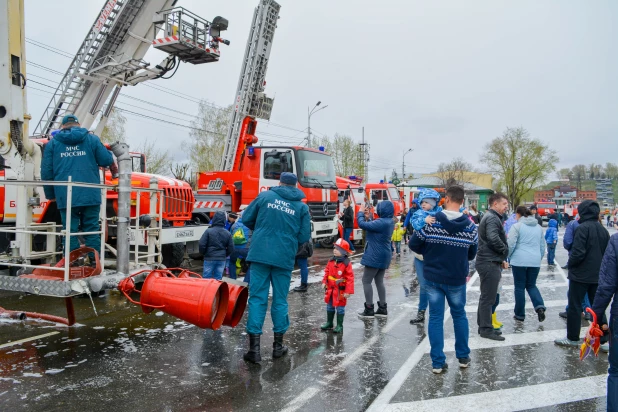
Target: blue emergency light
x,y
321,148
251,152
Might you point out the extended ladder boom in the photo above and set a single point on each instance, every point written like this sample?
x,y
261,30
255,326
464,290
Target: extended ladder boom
x,y
112,56
250,99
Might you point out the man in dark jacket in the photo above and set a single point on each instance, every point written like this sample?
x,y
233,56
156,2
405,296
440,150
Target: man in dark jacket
x,y
490,260
377,256
584,264
447,246
608,289
78,154
216,245
281,223
348,222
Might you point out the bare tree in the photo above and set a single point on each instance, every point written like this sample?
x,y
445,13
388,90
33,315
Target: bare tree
x,y
454,172
344,151
565,173
182,171
157,161
114,128
579,174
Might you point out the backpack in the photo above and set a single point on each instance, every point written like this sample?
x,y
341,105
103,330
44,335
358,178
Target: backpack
x,y
239,236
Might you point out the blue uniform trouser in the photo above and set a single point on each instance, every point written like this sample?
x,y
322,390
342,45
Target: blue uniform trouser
x,y
83,219
262,277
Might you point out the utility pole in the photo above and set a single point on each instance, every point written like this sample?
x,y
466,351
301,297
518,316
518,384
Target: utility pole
x,y
363,157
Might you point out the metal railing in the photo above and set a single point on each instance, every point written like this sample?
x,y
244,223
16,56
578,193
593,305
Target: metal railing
x,y
18,257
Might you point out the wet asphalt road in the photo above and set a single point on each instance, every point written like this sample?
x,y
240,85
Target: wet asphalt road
x,y
126,360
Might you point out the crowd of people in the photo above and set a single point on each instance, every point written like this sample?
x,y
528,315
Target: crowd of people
x,y
277,225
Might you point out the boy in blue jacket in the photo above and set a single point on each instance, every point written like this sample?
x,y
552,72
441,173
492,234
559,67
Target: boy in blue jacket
x,y
428,199
551,237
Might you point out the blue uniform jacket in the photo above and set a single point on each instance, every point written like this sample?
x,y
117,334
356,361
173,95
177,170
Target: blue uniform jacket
x,y
74,152
216,243
280,223
551,235
608,281
378,236
569,235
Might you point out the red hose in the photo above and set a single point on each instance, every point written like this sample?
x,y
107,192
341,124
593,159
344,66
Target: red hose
x,y
13,314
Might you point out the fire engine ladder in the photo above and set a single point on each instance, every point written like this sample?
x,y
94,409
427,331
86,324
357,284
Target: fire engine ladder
x,y
250,99
75,82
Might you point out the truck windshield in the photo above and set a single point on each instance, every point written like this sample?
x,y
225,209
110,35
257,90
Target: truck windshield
x,y
394,193
315,169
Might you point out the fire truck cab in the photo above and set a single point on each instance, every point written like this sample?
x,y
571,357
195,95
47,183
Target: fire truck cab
x,y
379,192
350,188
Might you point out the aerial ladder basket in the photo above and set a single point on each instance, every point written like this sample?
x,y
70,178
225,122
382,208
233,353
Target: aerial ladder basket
x,y
187,36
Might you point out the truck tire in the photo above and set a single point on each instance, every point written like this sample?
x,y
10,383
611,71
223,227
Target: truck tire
x,y
328,242
201,218
173,254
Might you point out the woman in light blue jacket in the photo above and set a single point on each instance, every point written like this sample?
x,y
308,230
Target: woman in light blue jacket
x,y
526,250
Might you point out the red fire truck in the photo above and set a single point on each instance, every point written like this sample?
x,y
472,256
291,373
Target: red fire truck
x,y
379,192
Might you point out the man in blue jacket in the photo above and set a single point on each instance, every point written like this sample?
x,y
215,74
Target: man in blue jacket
x,y
280,223
608,289
447,246
76,153
377,256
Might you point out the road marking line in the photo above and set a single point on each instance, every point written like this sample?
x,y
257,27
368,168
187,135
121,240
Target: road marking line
x,y
19,342
394,385
310,392
515,399
510,306
564,276
512,339
538,285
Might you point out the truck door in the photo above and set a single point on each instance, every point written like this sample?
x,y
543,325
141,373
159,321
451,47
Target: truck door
x,y
274,162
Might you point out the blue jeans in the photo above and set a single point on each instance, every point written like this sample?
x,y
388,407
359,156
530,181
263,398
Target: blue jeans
x,y
346,236
84,219
551,253
612,379
422,296
456,298
304,270
398,246
331,308
262,277
213,269
525,280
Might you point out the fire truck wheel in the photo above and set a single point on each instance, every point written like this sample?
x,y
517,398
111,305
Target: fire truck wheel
x,y
201,218
327,242
173,254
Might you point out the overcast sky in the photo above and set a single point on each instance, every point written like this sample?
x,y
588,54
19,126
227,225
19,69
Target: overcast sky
x,y
442,77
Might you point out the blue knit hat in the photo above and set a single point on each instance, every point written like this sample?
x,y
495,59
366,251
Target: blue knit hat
x,y
288,178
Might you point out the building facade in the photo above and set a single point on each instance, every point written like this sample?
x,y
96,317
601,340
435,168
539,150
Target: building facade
x,y
563,195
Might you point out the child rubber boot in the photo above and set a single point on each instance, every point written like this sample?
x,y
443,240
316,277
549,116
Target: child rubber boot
x,y
494,321
329,321
339,328
381,312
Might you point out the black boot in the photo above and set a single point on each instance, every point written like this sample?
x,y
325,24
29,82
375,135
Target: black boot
x,y
367,313
279,349
381,312
420,317
302,288
253,355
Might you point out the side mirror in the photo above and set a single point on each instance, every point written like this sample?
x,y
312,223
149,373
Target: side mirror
x,y
142,163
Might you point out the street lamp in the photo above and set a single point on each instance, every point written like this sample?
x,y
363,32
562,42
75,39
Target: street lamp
x,y
403,164
309,114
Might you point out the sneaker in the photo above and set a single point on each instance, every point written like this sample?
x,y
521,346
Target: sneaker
x,y
420,317
567,342
464,362
563,315
605,347
492,335
541,313
441,369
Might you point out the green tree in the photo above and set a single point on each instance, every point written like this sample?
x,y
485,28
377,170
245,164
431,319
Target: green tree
x,y
611,170
579,174
210,126
345,153
519,161
114,128
565,173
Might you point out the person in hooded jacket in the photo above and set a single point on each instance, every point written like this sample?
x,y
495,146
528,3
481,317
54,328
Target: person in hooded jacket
x,y
447,247
551,237
281,223
78,154
216,245
608,289
584,264
241,235
526,250
377,256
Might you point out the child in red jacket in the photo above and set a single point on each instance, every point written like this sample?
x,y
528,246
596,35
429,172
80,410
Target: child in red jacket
x,y
338,285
